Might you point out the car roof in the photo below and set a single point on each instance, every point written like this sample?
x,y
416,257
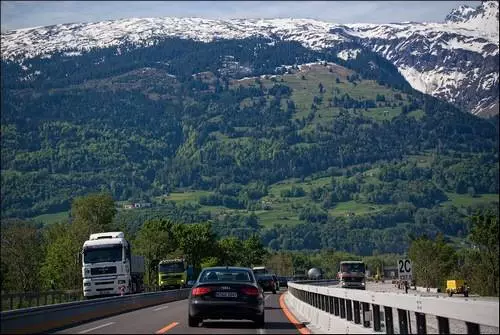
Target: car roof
x,y
215,268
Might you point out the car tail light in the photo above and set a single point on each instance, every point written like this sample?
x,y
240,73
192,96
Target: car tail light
x,y
250,291
200,291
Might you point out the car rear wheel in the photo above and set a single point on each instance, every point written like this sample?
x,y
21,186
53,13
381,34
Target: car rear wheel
x,y
193,322
260,321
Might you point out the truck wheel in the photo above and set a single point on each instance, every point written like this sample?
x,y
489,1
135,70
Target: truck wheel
x,y
450,293
193,322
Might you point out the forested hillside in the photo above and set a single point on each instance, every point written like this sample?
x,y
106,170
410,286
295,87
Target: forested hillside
x,y
307,149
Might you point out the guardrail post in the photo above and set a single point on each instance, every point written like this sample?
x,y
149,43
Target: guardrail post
x,y
443,325
389,325
472,328
376,317
366,309
357,318
342,308
348,305
421,325
403,321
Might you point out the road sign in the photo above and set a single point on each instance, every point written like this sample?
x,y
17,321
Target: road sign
x,y
405,269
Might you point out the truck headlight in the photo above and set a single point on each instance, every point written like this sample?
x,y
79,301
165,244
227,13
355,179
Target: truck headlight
x,y
182,280
362,284
121,281
86,284
87,271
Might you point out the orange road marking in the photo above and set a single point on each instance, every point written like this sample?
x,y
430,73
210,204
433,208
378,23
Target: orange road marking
x,y
167,328
300,327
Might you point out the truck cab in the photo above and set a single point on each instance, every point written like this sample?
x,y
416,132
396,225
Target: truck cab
x,y
172,273
108,267
352,274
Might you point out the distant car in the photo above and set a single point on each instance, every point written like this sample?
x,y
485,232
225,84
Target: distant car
x,y
226,293
283,281
267,283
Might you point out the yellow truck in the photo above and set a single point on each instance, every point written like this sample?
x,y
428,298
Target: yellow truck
x,y
457,287
172,273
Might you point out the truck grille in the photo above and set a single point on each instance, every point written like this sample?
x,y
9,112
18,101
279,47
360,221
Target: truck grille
x,y
352,279
105,283
166,277
103,271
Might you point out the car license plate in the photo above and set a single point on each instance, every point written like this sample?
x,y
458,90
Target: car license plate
x,y
226,294
106,292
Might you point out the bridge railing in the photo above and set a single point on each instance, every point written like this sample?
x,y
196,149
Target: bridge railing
x,y
379,310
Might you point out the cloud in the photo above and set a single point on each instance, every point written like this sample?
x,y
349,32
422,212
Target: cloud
x,y
24,14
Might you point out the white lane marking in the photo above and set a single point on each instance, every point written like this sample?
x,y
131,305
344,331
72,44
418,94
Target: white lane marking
x,y
159,308
91,329
262,331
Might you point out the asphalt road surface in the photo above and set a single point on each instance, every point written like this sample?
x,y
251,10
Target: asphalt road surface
x,y
172,318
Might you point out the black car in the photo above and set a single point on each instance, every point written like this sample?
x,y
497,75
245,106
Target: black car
x,y
283,281
226,293
267,283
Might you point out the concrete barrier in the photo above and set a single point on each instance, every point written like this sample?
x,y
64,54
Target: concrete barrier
x,y
320,321
46,318
337,310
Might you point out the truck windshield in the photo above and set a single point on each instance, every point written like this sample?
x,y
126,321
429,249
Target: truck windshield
x,y
171,268
104,254
353,267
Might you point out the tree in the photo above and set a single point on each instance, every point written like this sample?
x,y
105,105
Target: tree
x,y
154,241
433,260
230,251
485,235
61,266
22,255
253,251
197,241
94,212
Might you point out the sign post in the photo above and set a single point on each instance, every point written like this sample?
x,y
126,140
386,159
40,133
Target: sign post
x,y
405,270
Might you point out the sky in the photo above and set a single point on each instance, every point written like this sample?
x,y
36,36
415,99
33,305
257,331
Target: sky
x,y
26,14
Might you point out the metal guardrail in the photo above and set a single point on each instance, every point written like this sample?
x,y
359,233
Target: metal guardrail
x,y
16,300
46,318
12,301
367,308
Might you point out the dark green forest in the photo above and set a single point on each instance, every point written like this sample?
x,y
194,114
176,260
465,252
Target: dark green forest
x,y
229,119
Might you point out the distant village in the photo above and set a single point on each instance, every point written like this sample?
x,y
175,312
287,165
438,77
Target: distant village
x,y
137,205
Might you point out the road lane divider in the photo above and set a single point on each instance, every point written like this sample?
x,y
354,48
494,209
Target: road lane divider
x,y
95,328
300,326
167,328
159,308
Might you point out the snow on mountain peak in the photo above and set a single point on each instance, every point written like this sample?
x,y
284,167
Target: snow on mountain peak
x,y
460,14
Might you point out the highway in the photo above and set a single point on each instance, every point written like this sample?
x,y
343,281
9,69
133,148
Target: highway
x,y
171,318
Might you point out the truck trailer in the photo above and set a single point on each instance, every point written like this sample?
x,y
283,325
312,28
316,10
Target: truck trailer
x,y
109,268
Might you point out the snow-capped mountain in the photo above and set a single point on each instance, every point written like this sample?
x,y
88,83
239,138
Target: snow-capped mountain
x,y
456,60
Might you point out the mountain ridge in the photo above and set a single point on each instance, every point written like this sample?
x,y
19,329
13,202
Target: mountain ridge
x,y
456,60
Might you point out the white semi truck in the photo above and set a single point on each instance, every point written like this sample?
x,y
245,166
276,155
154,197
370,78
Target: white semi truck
x,y
108,268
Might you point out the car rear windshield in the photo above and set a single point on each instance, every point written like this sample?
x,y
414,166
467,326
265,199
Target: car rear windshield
x,y
225,275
